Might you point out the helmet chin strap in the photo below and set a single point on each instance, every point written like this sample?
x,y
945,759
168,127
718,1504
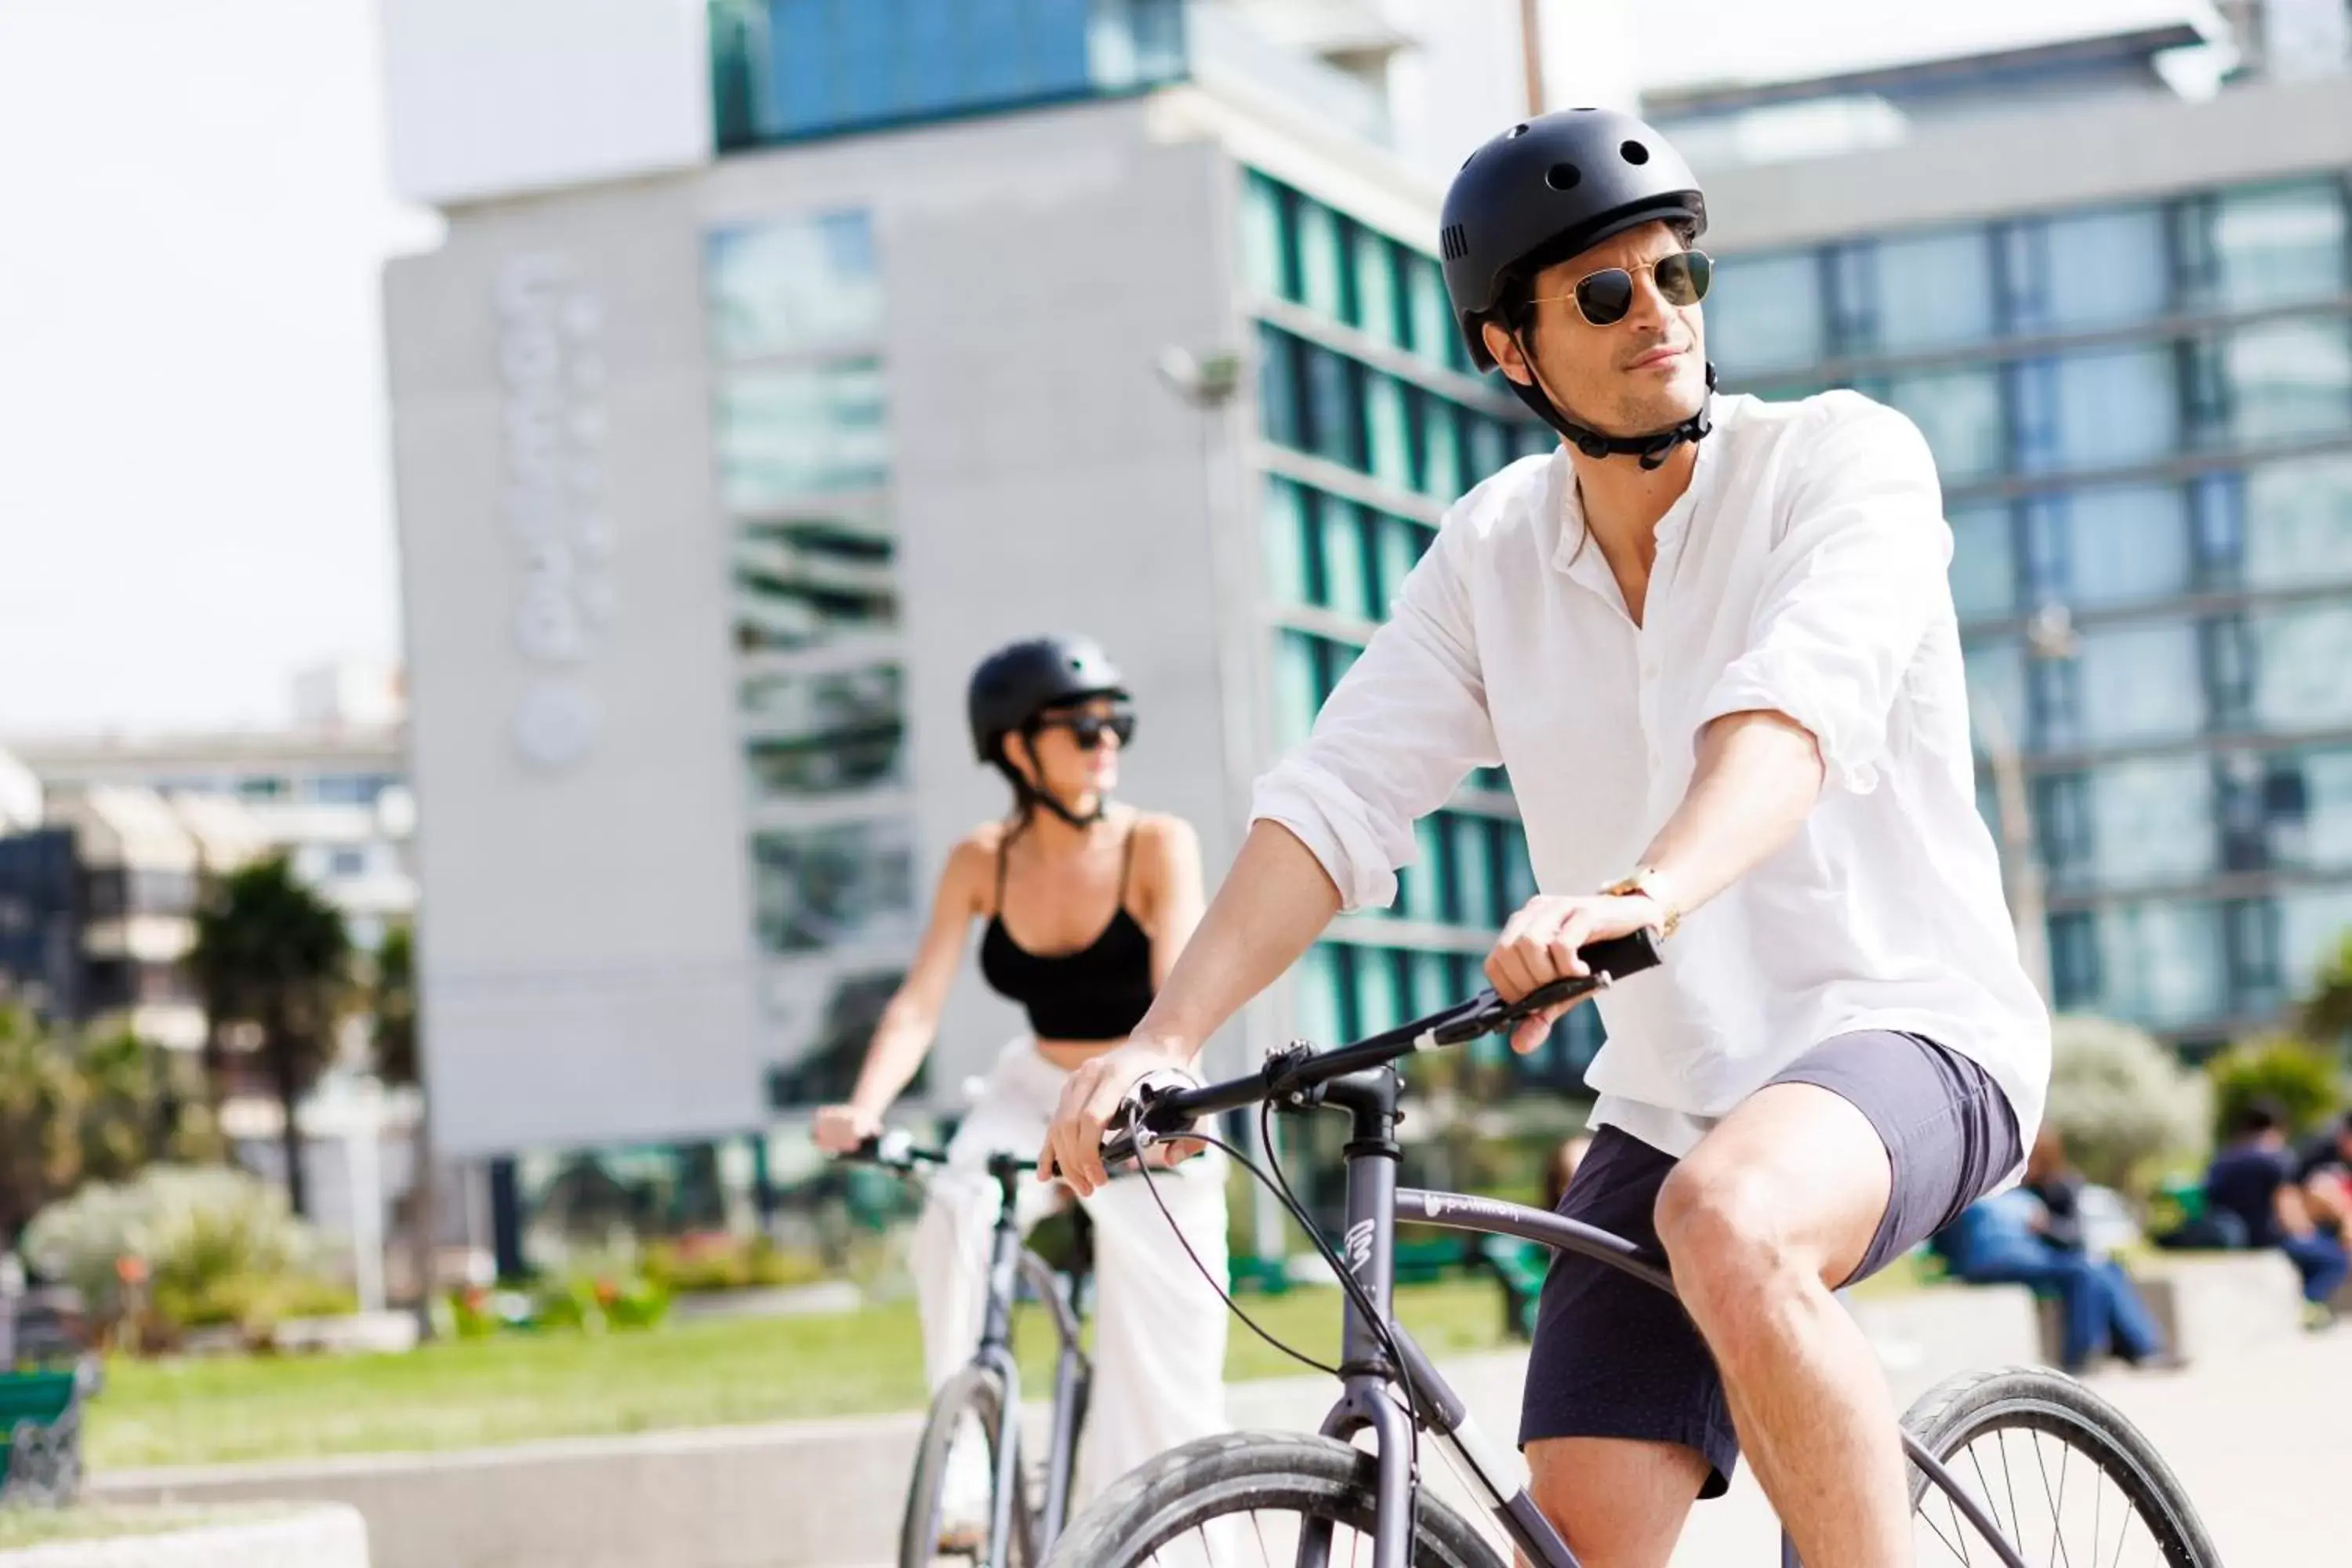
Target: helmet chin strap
x,y
1027,794
1651,450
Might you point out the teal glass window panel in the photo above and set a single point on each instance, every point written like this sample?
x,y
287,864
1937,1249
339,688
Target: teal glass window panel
x,y
2298,522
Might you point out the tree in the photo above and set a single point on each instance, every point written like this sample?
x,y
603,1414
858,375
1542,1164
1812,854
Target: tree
x,y
273,959
2327,1013
2123,1102
393,1000
75,1111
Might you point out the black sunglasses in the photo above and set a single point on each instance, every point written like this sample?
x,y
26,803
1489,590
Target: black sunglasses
x,y
1088,729
1603,298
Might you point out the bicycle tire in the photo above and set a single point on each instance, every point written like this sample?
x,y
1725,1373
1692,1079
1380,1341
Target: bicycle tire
x,y
1243,1472
974,1393
1954,1415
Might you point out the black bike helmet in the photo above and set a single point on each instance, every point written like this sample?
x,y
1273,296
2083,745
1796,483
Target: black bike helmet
x,y
1016,685
1539,193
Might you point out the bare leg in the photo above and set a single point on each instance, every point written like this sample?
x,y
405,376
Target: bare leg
x,y
1618,1503
1777,1205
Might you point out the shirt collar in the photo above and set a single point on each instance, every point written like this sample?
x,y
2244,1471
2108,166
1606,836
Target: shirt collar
x,y
1582,560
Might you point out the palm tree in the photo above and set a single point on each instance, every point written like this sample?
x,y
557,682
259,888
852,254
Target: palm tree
x,y
394,999
2327,1013
273,958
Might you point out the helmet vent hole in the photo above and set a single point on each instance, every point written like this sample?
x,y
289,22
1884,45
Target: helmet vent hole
x,y
1452,242
1518,131
1634,153
1563,176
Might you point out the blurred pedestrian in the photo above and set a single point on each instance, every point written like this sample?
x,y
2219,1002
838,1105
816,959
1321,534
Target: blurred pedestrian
x,y
2251,1190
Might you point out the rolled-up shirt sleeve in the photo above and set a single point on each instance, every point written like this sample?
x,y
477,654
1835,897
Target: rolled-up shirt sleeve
x,y
1850,589
1395,738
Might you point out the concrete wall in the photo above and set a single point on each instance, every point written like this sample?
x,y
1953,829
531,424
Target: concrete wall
x,y
588,972
2109,150
585,970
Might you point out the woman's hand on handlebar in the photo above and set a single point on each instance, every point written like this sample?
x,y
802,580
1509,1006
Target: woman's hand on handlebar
x,y
1539,946
1091,1099
841,1128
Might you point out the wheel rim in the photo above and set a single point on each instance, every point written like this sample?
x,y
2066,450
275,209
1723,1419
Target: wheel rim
x,y
2061,1496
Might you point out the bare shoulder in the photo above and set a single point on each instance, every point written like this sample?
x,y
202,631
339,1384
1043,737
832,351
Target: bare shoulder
x,y
970,869
1165,841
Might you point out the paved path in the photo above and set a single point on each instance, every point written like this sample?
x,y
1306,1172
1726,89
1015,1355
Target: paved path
x,y
2263,1441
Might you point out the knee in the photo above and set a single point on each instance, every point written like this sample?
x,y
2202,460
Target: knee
x,y
1723,1231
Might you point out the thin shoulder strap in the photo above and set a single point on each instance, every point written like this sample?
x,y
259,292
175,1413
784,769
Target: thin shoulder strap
x,y
1127,858
1003,848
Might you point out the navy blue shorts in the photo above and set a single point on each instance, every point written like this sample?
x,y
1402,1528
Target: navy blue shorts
x,y
1613,1358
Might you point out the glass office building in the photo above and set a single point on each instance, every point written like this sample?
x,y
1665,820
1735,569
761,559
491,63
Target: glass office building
x,y
1374,424
2143,418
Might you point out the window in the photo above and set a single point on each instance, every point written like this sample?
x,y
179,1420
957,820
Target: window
x,y
1262,243
349,789
2137,683
1490,448
2272,245
2298,522
2075,959
1934,290
1764,313
2289,379
1434,336
2086,270
1278,387
1322,259
2163,962
1283,534
2301,654
1389,430
1958,411
1441,447
1298,687
786,433
1476,840
2128,544
2097,409
2152,820
2064,834
1398,546
2312,925
2307,798
1378,305
1335,425
1984,562
781,287
823,732
1996,677
801,68
826,887
1348,585
797,583
1422,896
1316,996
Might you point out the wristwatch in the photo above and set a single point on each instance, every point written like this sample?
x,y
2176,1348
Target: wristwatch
x,y
1639,886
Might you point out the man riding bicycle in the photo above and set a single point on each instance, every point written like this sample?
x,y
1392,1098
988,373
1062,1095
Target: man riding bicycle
x,y
1712,640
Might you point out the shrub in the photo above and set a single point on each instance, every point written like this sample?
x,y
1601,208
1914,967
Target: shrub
x,y
2122,1102
715,1260
188,1248
2301,1077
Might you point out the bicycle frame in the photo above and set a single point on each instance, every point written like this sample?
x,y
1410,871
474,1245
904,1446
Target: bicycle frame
x,y
1373,1383
1009,1262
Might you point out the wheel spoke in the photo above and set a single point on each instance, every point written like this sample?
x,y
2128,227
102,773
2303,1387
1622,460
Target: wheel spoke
x,y
2009,1483
1984,1487
1264,1557
2057,1504
1959,1552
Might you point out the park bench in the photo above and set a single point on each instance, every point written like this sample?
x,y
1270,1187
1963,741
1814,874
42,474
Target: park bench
x,y
40,1435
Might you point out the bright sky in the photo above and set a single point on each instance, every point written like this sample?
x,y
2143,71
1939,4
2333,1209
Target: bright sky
x,y
193,476
193,485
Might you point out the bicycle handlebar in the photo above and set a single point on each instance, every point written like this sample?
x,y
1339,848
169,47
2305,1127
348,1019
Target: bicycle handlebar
x,y
1165,1113
893,1150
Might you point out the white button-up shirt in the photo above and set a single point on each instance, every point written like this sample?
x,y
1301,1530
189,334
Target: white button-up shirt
x,y
1802,572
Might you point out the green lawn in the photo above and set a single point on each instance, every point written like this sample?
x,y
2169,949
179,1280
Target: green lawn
x,y
22,1527
510,1389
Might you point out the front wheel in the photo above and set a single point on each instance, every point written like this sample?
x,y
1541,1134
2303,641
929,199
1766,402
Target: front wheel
x,y
950,1503
2063,1474
1248,1498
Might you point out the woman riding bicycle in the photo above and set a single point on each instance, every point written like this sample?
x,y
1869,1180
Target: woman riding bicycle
x,y
1086,905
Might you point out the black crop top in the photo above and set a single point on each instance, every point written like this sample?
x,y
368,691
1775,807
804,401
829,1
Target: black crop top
x,y
1098,993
